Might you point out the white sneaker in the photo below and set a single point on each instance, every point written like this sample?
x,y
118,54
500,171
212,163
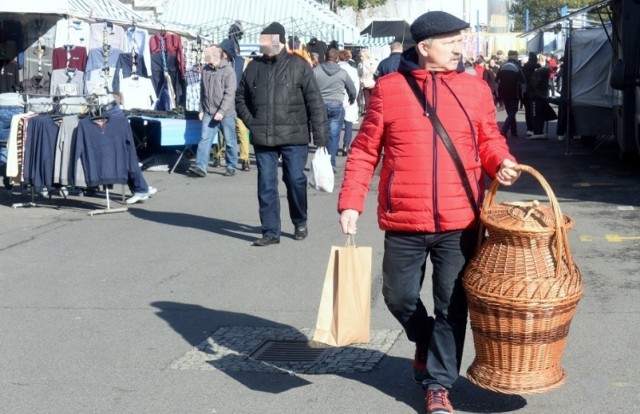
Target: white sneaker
x,y
529,133
137,197
560,137
152,190
539,136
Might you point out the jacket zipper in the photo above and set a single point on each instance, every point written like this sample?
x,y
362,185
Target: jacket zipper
x,y
434,177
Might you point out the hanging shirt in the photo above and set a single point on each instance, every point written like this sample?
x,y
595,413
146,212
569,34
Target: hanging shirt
x,y
39,32
68,82
40,151
137,93
107,151
96,59
193,56
73,58
35,59
193,77
95,78
137,40
37,85
171,44
62,171
115,36
72,32
125,68
9,77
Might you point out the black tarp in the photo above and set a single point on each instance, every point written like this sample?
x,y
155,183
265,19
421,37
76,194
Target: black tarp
x,y
398,29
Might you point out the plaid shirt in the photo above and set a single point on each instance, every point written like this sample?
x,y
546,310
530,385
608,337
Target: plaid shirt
x,y
193,77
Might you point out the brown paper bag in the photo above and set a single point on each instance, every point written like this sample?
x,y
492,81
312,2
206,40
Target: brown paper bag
x,y
345,307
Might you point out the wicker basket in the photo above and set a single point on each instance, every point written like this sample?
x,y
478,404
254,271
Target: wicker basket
x,y
522,288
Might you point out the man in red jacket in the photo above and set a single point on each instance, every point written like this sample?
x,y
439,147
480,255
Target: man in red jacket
x,y
423,206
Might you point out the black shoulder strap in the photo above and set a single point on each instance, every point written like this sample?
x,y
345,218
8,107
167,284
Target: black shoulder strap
x,y
437,125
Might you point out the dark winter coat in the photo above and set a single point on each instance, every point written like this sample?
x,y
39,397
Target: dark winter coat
x,y
278,99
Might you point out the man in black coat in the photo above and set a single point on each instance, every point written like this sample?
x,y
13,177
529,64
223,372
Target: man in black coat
x,y
278,100
511,84
391,63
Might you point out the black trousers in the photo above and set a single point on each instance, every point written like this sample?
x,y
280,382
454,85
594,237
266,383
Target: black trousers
x,y
403,271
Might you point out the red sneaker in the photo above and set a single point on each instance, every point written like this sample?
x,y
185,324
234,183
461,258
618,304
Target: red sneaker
x,y
437,401
419,366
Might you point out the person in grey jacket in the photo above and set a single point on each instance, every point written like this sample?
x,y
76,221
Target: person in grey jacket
x,y
333,81
218,90
278,100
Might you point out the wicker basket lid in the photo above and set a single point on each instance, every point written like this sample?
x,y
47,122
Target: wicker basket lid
x,y
526,217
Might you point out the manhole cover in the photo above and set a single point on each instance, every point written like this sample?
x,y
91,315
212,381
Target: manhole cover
x,y
289,351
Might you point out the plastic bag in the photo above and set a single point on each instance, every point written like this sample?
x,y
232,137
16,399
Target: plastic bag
x,y
321,172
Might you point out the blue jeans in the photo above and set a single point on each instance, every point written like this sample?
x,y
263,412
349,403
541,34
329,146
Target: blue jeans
x,y
335,116
210,129
403,271
294,159
6,113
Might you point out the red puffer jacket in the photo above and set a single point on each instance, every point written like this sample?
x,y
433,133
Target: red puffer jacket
x,y
419,188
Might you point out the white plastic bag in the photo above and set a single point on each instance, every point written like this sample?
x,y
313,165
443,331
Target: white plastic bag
x,y
321,173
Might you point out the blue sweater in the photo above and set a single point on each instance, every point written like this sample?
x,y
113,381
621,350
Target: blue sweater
x,y
107,152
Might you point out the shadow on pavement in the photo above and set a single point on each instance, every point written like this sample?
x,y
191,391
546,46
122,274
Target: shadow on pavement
x,y
390,376
214,225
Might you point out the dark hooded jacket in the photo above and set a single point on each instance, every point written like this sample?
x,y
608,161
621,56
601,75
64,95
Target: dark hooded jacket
x,y
278,99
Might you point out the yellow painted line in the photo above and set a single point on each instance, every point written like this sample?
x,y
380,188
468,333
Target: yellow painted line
x,y
585,238
622,384
615,238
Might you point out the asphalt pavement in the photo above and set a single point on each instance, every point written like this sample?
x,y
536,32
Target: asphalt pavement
x,y
158,309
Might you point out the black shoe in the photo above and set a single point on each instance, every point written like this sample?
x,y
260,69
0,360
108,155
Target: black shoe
x,y
197,171
246,166
230,173
345,151
266,241
300,233
216,162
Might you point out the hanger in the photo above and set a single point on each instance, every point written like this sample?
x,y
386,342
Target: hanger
x,y
99,117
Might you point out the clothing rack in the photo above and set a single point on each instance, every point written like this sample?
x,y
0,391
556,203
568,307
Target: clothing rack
x,y
63,190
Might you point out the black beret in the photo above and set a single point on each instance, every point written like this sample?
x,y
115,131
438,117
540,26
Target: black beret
x,y
435,23
275,28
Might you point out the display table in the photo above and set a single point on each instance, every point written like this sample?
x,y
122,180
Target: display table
x,y
152,134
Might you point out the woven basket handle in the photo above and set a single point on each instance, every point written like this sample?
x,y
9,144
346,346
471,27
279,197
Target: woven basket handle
x,y
562,244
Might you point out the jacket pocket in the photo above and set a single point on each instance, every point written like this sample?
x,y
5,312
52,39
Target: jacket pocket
x,y
389,186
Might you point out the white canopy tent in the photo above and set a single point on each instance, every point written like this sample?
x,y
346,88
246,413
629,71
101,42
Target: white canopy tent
x,y
302,18
91,9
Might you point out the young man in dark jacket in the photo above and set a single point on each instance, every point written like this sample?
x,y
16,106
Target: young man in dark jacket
x,y
277,99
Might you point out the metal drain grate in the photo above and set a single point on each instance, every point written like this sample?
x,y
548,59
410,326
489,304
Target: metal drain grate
x,y
290,351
